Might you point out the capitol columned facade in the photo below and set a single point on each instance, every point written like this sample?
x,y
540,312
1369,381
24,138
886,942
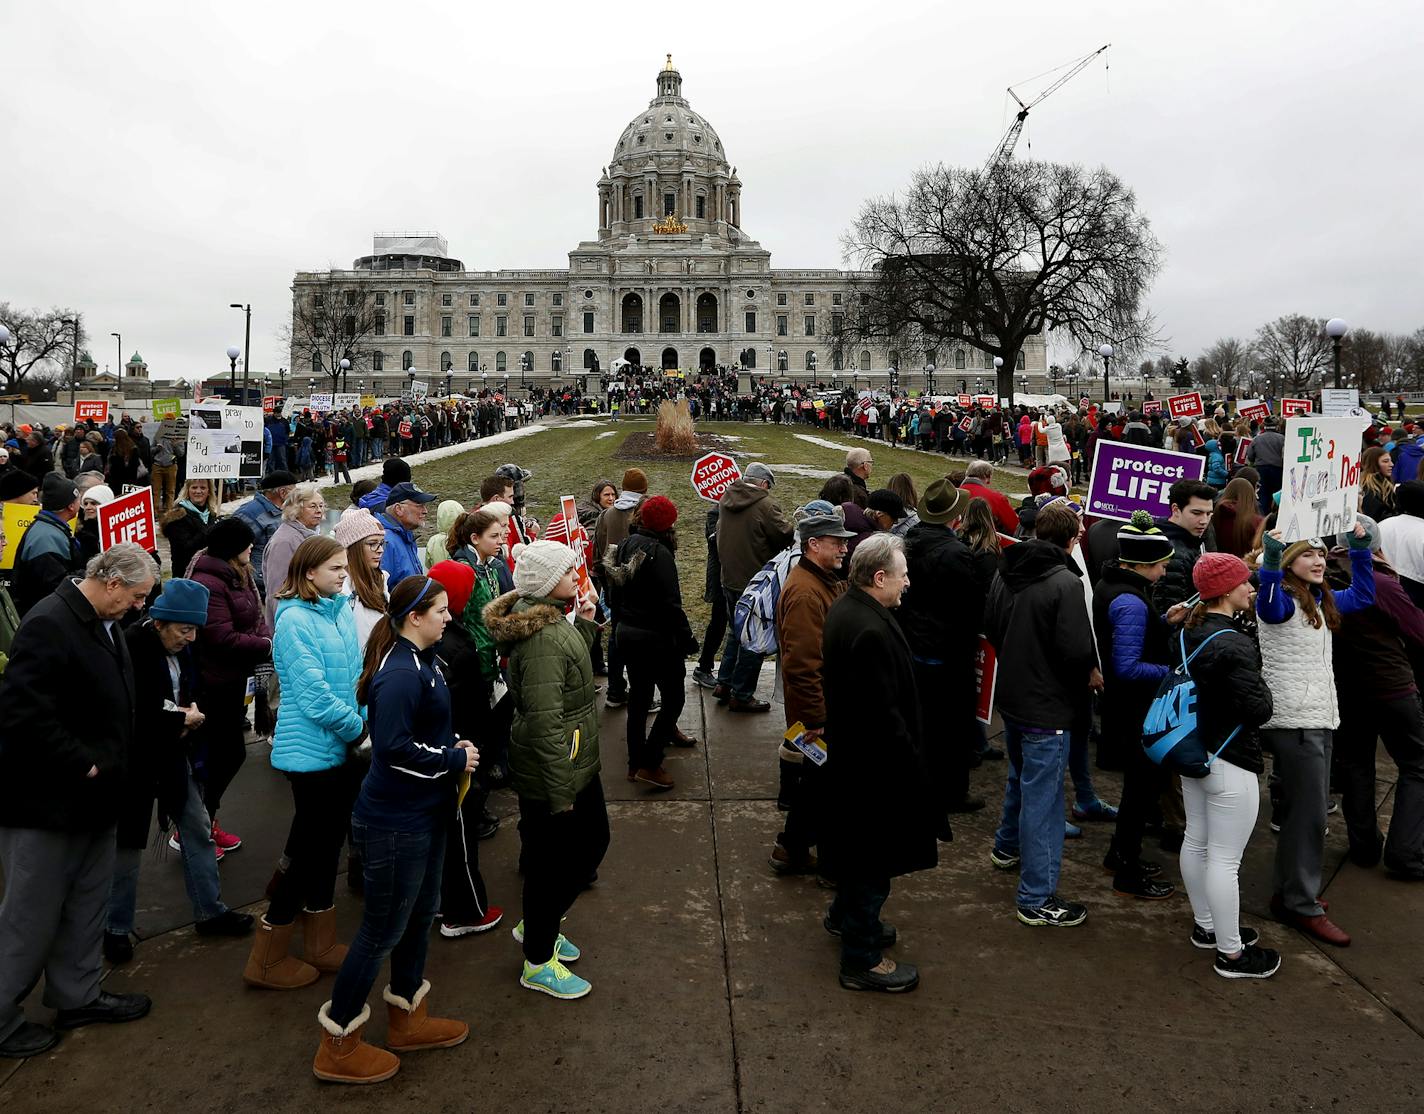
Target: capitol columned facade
x,y
673,280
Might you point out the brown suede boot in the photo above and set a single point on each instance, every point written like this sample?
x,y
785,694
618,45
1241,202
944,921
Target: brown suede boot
x,y
269,965
412,1029
344,1057
319,946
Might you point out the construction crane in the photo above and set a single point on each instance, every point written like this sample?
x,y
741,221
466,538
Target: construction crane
x,y
1005,150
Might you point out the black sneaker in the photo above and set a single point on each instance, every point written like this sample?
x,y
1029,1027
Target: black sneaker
x,y
1148,889
118,947
888,935
704,678
904,977
615,699
1205,940
1054,913
1004,860
227,923
1146,868
1253,963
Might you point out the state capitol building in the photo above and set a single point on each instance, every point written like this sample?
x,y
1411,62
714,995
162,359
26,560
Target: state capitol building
x,y
672,281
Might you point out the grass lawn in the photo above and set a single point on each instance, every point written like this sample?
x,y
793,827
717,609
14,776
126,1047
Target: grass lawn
x,y
567,460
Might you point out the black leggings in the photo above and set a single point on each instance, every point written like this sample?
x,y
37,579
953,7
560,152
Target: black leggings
x,y
323,802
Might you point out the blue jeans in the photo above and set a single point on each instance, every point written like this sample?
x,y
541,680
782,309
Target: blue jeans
x,y
402,896
856,910
200,868
740,668
1084,794
1032,821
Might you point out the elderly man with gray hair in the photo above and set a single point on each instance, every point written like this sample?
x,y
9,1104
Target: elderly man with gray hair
x,y
858,462
60,781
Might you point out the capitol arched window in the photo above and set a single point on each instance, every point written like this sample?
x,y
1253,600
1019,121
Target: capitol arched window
x,y
959,359
701,206
1019,364
500,362
407,360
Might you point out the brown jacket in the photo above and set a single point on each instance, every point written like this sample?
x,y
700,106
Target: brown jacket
x,y
751,530
806,597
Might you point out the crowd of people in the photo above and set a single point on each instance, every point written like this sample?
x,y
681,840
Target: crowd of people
x,y
403,673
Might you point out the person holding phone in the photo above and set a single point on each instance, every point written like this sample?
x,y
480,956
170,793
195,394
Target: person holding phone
x,y
553,755
418,767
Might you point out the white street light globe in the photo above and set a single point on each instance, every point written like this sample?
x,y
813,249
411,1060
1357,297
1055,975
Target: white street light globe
x,y
233,352
998,361
345,364
1336,327
1105,351
930,368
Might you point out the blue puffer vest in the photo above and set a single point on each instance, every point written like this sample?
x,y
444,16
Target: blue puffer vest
x,y
318,662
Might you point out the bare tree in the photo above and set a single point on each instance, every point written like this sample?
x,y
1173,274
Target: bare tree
x,y
1226,365
39,343
989,258
1366,356
333,321
1292,352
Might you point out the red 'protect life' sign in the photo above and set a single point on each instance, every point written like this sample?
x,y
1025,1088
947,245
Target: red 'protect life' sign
x,y
986,675
91,410
1292,406
713,474
128,519
1186,406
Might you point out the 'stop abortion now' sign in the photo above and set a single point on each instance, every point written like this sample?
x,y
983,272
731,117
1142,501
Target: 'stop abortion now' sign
x,y
1129,478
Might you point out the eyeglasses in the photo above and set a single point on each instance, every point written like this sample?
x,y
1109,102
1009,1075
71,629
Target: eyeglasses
x,y
375,543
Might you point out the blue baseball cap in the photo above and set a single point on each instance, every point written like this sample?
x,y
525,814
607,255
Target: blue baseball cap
x,y
408,493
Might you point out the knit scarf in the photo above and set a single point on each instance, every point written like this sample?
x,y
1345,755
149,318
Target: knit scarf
x,y
204,515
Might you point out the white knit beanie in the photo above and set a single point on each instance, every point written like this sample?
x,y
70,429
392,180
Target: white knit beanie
x,y
540,566
357,527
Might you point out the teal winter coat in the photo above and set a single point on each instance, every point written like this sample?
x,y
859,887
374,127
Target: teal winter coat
x,y
318,662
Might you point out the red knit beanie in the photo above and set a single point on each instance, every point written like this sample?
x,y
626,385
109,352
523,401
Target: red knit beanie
x,y
1215,574
658,513
458,580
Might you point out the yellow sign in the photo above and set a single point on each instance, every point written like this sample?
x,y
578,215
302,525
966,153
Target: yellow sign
x,y
17,518
368,401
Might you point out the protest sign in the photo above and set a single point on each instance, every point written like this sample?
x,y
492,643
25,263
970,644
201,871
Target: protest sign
x,y
167,408
368,401
1241,446
91,410
269,404
1291,406
1253,409
225,443
965,400
985,401
1320,487
346,401
1186,406
575,536
1152,406
17,517
129,518
1337,403
320,402
966,423
713,474
986,678
419,388
1129,478
1085,402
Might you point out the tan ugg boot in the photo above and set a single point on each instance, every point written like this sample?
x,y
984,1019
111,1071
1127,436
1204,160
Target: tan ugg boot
x,y
269,965
319,946
344,1057
411,1028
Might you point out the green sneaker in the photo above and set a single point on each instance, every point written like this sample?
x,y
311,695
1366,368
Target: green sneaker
x,y
564,949
554,979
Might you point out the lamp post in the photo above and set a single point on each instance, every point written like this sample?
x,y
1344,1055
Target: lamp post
x,y
120,364
1106,351
74,355
246,346
998,363
282,381
345,366
1335,329
929,379
233,352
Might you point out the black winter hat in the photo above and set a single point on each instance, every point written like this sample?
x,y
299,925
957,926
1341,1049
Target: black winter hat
x,y
16,483
395,471
228,538
1141,543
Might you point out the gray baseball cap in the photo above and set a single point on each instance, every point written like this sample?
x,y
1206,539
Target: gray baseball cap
x,y
758,472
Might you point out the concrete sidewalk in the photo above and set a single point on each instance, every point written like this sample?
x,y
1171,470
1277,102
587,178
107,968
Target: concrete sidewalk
x,y
715,985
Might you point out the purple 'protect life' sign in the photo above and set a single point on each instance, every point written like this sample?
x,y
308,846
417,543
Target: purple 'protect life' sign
x,y
1129,478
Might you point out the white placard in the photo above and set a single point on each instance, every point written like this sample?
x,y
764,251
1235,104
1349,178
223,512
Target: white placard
x,y
1320,483
346,402
1336,403
225,442
320,402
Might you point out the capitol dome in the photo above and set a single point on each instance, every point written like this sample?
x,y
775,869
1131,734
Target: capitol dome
x,y
668,162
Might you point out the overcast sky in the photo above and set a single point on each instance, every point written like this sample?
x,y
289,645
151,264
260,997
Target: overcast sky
x,y
162,160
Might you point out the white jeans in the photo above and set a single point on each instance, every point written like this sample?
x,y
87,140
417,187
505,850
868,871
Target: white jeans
x,y
1221,814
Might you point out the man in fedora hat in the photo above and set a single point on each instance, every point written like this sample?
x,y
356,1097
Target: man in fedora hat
x,y
941,615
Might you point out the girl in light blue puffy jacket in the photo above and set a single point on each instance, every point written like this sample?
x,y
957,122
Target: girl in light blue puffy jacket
x,y
319,723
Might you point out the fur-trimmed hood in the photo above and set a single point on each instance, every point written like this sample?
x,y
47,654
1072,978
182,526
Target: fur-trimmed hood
x,y
621,574
512,619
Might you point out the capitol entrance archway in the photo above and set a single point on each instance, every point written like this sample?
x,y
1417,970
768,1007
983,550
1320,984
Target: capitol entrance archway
x,y
669,359
707,359
633,356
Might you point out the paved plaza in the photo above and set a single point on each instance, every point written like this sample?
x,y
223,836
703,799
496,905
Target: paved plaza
x,y
715,985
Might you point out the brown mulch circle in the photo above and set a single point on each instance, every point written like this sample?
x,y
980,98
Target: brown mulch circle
x,y
644,446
